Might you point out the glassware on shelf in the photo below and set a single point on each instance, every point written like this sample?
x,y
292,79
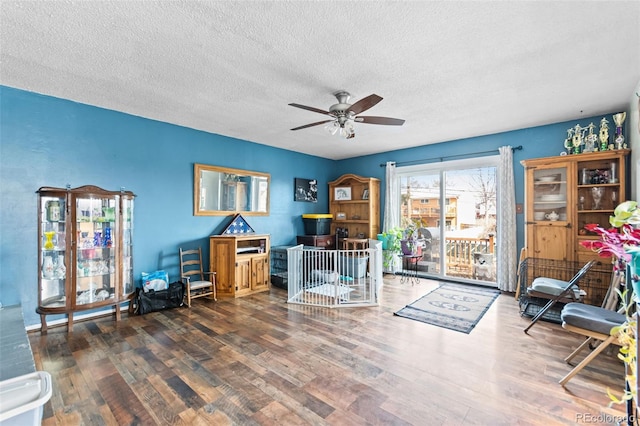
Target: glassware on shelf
x,y
85,241
109,214
600,176
85,216
102,295
83,269
97,239
107,242
60,241
585,177
53,211
596,193
613,172
47,267
581,202
61,269
48,244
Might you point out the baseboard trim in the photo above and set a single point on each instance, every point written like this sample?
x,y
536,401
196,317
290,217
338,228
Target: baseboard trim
x,y
76,318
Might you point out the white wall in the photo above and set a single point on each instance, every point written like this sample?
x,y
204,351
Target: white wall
x,y
634,142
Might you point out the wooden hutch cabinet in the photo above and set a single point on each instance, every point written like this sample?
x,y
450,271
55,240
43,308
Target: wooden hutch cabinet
x,y
85,249
564,193
355,206
241,263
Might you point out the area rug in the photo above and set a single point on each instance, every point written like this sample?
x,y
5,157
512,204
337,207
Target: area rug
x,y
453,306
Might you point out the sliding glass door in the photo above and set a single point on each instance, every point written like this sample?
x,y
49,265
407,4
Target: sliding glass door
x,y
454,206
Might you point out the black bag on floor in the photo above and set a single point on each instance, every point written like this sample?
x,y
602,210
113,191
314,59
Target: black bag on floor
x,y
151,301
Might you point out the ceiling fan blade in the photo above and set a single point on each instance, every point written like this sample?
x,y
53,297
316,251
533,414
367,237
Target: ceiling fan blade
x,y
365,103
308,108
312,124
380,120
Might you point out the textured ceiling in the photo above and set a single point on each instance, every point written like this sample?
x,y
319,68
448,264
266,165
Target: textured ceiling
x,y
450,69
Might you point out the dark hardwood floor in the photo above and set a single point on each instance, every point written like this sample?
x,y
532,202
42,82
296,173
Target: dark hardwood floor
x,y
258,360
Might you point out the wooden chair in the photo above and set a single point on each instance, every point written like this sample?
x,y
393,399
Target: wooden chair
x,y
353,243
194,277
557,291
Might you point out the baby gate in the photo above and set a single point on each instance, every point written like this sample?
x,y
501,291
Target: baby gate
x,y
334,278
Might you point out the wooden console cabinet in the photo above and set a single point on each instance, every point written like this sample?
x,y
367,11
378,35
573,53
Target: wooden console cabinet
x,y
241,263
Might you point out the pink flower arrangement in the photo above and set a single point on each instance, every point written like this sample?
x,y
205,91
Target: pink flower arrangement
x,y
622,241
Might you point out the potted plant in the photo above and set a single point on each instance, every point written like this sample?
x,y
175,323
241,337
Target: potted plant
x,y
391,246
410,240
622,242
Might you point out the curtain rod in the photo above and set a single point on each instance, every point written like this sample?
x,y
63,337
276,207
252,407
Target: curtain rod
x,y
429,160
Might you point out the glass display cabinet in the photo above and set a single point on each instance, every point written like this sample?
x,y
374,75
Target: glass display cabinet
x,y
565,193
85,250
549,230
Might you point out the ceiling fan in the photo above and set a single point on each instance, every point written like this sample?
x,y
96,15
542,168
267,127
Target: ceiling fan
x,y
344,115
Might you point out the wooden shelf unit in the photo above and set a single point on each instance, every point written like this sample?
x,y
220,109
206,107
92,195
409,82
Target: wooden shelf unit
x,y
362,214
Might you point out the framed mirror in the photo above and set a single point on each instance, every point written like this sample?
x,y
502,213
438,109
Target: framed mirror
x,y
221,191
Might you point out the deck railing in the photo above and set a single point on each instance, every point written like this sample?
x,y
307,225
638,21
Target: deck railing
x,y
462,256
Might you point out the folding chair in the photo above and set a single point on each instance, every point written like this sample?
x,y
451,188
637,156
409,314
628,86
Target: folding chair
x,y
593,322
557,291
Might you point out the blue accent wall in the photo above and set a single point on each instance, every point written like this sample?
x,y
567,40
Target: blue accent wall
x,y
46,141
536,142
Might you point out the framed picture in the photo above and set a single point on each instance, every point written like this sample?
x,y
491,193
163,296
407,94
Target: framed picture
x,y
305,190
365,194
341,216
342,193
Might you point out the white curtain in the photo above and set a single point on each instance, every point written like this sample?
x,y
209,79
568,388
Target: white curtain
x,y
506,242
391,199
391,209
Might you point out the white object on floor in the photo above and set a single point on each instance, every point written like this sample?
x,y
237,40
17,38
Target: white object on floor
x,y
22,398
330,290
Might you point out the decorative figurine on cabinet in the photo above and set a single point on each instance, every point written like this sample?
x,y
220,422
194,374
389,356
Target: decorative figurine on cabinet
x,y
568,144
604,134
619,137
590,140
578,138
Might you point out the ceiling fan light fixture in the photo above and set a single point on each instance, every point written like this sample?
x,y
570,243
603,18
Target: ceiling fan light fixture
x,y
332,127
347,131
343,115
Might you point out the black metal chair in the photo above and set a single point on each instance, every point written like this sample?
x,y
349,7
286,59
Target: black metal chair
x,y
557,291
